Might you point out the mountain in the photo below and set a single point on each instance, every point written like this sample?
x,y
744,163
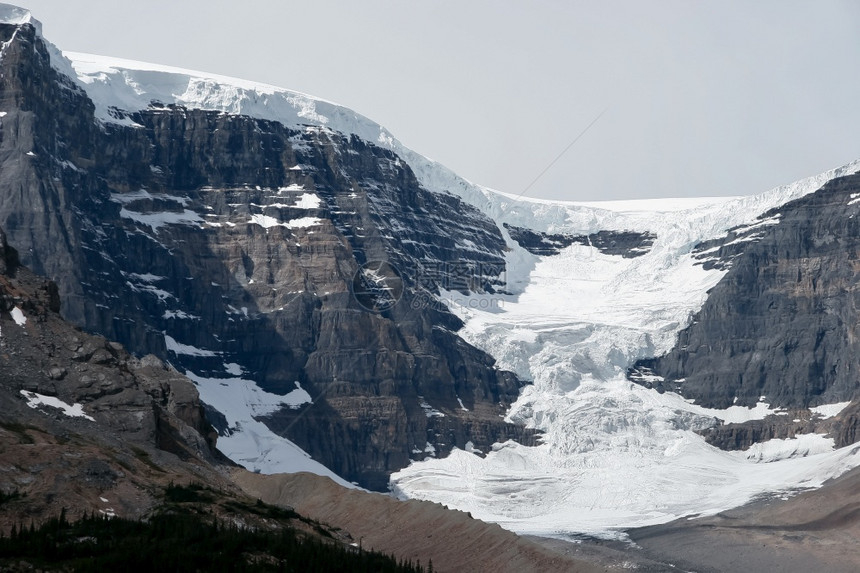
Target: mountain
x,y
618,450
103,439
228,245
85,425
348,307
783,321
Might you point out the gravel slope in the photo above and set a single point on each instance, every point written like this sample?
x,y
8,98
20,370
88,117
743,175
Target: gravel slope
x,y
817,530
412,529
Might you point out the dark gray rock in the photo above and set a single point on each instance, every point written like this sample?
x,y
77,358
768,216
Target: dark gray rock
x,y
86,208
628,244
783,323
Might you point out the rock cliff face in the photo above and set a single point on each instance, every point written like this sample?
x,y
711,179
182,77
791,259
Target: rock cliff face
x,y
230,245
628,244
139,398
783,325
82,421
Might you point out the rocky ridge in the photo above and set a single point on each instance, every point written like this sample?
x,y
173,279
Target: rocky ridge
x,y
782,325
628,244
780,328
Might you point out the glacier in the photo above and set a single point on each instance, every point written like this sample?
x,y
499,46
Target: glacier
x,y
613,455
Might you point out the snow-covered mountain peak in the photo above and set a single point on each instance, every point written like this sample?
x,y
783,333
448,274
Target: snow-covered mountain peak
x,y
119,87
128,86
11,14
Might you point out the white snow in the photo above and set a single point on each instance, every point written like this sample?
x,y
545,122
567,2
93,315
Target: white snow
x,y
251,443
145,277
160,294
730,415
429,410
663,204
35,400
10,14
233,369
248,395
304,222
292,186
782,449
131,86
141,194
830,410
18,316
265,221
470,447
268,222
180,314
179,348
308,201
157,220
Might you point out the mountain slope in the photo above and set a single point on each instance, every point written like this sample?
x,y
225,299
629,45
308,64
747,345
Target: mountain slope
x,y
783,322
83,424
87,429
227,226
229,246
423,531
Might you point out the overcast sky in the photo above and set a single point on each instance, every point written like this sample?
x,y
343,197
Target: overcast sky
x,y
700,98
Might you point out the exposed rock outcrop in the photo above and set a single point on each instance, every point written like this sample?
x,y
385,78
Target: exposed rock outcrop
x,y
783,323
227,244
628,244
81,419
8,256
842,428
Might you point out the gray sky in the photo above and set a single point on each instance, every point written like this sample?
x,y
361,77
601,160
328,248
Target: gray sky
x,y
701,98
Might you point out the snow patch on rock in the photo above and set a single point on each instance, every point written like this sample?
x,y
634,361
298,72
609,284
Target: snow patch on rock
x,y
178,348
782,449
18,316
249,441
829,410
36,400
268,222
